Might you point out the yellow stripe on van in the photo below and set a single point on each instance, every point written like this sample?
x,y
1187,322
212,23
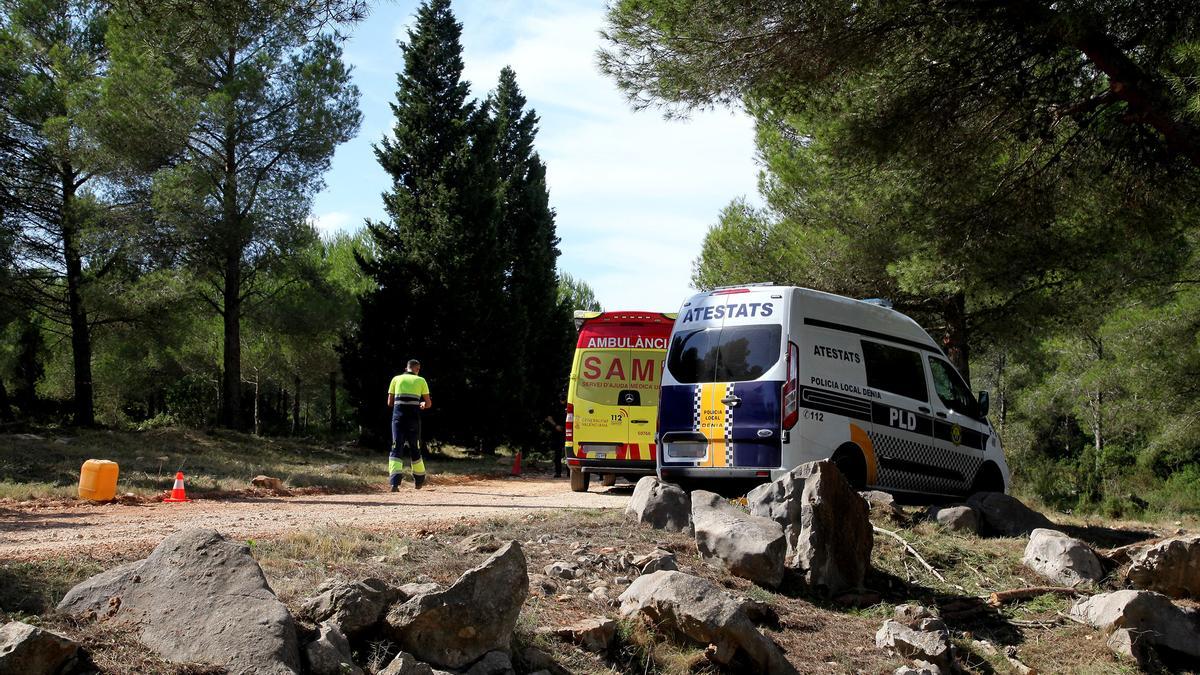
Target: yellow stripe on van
x,y
712,421
860,438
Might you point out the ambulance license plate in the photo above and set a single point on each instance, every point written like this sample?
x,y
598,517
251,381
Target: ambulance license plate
x,y
598,455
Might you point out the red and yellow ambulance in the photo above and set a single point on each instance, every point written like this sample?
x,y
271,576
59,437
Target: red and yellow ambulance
x,y
612,400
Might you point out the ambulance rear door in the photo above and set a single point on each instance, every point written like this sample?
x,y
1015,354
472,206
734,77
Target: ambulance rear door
x,y
604,403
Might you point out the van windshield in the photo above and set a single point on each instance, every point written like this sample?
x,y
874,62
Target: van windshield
x,y
729,354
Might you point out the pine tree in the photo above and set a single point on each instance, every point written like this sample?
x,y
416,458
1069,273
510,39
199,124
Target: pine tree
x,y
437,263
260,100
538,327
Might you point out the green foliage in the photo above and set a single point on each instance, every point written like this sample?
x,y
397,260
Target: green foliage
x,y
464,268
576,294
257,102
1020,178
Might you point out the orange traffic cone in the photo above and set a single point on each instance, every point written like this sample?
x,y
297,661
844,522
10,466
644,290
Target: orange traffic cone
x,y
178,494
516,467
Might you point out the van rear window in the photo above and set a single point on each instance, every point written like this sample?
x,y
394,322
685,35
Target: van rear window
x,y
729,354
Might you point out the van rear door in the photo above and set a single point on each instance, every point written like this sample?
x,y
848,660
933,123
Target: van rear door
x,y
721,395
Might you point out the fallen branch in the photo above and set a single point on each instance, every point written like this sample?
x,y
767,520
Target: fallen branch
x,y
911,550
1033,624
1000,598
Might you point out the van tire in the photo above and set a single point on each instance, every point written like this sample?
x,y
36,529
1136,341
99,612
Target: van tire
x,y
608,479
580,480
849,459
987,479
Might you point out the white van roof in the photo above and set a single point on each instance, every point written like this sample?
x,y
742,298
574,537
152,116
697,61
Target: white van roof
x,y
867,317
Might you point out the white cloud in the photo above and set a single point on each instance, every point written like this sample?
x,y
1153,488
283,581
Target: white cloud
x,y
634,194
333,222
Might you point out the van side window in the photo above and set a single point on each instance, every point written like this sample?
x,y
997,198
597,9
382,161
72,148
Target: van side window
x,y
729,354
895,370
951,390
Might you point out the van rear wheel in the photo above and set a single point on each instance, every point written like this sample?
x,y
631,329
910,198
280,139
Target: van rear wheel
x,y
609,480
850,461
580,480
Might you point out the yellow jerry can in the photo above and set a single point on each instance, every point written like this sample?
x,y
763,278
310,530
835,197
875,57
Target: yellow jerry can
x,y
98,480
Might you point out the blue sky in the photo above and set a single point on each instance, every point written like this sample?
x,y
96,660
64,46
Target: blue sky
x,y
634,193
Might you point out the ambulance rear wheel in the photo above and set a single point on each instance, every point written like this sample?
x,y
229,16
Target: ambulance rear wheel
x,y
580,480
609,480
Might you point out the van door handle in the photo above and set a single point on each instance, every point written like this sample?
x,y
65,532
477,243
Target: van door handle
x,y
942,415
639,421
923,409
731,401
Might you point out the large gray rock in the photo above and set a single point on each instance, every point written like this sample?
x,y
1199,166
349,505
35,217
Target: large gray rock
x,y
1062,559
1005,515
751,547
825,523
1171,567
698,610
406,664
198,598
1149,615
330,654
960,518
353,606
661,505
29,650
932,646
476,615
492,663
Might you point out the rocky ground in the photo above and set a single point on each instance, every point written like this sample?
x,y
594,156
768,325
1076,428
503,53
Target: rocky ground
x,y
783,581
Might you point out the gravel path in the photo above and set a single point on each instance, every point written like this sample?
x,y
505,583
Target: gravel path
x,y
30,531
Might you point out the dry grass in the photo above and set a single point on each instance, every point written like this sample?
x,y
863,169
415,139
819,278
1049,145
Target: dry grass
x,y
46,466
817,635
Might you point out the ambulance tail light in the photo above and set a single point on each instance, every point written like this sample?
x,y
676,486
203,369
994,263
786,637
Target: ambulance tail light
x,y
569,425
791,388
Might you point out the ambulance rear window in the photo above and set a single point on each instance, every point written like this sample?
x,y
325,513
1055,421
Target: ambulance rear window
x,y
729,354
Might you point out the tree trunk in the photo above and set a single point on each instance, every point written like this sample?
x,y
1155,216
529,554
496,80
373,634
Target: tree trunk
x,y
257,419
332,401
1001,394
232,382
296,408
5,410
81,341
955,339
232,242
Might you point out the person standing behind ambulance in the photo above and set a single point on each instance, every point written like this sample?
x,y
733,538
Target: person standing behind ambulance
x,y
408,395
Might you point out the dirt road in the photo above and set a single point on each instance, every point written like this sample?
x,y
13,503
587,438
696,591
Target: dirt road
x,y
32,531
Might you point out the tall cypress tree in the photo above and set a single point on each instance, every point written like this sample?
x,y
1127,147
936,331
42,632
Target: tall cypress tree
x,y
438,261
537,327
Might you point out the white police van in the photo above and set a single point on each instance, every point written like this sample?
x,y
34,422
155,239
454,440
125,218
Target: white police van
x,y
762,378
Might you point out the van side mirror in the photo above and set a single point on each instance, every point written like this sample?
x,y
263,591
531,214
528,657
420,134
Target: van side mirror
x,y
984,401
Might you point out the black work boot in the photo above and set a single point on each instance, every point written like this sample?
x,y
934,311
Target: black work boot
x,y
419,480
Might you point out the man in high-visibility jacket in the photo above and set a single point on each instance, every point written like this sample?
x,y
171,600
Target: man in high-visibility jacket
x,y
408,395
